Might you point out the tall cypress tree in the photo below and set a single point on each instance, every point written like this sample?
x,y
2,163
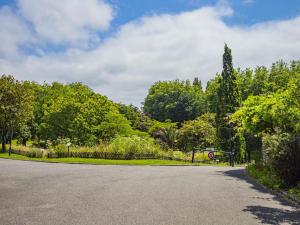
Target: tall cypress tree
x,y
228,101
197,83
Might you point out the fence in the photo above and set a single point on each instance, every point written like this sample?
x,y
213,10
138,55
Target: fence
x,y
100,155
39,153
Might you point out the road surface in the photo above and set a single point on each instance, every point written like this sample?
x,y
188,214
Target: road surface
x,y
34,193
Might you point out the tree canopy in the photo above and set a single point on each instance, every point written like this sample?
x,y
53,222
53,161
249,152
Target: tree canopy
x,y
15,108
176,101
74,111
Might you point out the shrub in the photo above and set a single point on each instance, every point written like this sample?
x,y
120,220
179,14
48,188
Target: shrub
x,y
266,175
282,151
131,146
119,148
28,151
35,153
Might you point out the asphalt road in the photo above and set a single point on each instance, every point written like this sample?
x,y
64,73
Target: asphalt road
x,y
35,193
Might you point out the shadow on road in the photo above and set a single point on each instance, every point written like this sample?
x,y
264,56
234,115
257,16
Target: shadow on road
x,y
274,216
267,215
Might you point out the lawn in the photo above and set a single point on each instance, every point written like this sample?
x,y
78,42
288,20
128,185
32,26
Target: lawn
x,y
104,161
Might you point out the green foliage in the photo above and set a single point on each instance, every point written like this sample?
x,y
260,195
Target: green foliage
x,y
264,113
137,118
119,148
265,175
211,94
263,81
74,111
177,101
165,133
15,106
245,83
169,136
198,133
282,152
114,124
228,102
228,94
174,114
295,193
143,162
129,146
28,151
23,133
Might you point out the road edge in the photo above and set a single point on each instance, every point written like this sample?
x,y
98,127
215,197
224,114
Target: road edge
x,y
279,193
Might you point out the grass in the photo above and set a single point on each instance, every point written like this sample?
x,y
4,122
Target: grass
x,y
104,161
267,177
295,193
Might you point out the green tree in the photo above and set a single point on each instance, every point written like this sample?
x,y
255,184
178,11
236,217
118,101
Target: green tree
x,y
169,136
244,83
75,112
137,118
260,81
23,133
228,101
197,134
211,94
263,114
15,107
174,100
198,84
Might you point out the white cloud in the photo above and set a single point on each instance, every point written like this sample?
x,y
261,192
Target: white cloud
x,y
163,47
13,32
67,21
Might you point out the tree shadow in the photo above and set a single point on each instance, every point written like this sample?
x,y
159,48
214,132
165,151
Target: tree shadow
x,y
274,216
268,215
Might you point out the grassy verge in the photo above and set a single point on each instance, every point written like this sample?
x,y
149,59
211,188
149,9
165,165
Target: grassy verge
x,y
104,161
267,177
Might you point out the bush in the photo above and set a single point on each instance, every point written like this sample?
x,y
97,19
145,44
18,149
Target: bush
x,y
134,145
266,175
28,151
282,152
295,192
35,153
41,144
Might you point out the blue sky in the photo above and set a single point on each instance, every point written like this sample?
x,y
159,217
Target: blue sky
x,y
246,12
121,47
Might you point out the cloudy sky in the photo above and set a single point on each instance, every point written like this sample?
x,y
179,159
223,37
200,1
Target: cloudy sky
x,y
120,47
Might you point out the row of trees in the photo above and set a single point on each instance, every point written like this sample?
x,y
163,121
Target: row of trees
x,y
235,113
227,95
50,114
275,117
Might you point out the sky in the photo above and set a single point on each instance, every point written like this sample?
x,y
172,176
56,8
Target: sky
x,y
121,47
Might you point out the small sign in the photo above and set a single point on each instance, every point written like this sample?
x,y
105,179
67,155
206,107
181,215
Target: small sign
x,y
211,155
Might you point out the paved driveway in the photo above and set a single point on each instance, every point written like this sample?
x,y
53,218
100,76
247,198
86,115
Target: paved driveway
x,y
40,193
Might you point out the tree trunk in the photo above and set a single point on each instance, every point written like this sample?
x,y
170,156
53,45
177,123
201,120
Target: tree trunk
x,y
9,150
193,157
3,143
249,156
